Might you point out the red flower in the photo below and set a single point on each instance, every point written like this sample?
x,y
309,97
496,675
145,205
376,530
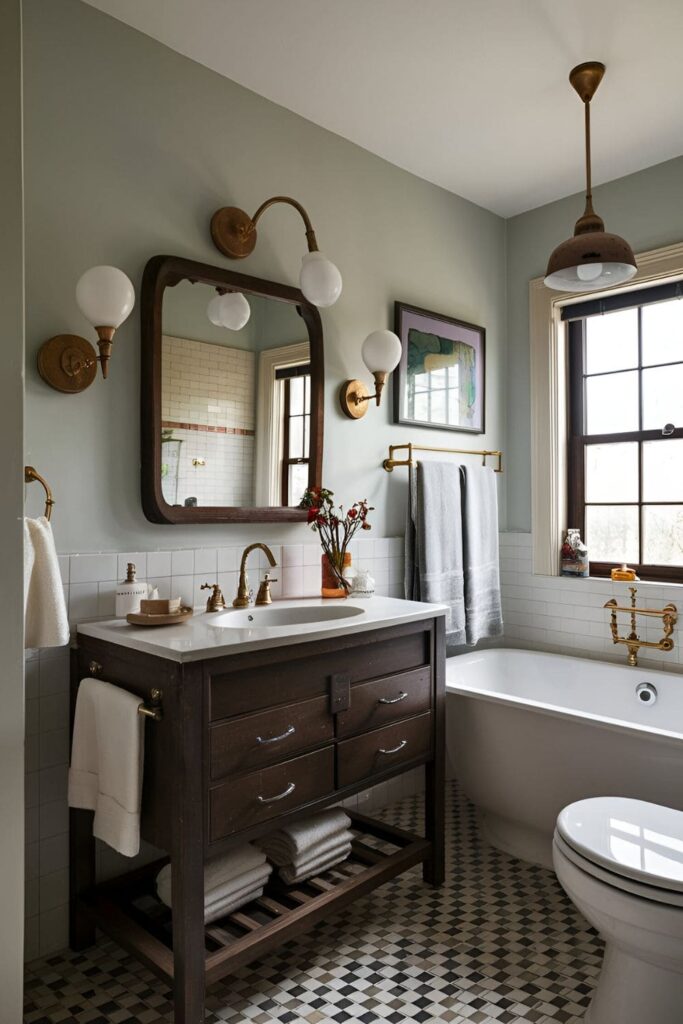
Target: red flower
x,y
352,513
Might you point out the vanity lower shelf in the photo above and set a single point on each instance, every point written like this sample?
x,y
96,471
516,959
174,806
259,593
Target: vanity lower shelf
x,y
129,911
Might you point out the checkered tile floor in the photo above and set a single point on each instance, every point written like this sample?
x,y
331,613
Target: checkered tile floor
x,y
498,944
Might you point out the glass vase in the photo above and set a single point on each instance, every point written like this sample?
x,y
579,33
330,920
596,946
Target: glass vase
x,y
331,587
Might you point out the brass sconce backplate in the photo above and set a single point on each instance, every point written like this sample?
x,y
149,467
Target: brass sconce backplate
x,y
68,363
349,394
233,232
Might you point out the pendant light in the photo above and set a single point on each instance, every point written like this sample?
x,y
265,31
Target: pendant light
x,y
592,259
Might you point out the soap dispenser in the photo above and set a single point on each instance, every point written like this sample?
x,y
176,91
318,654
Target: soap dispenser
x,y
129,593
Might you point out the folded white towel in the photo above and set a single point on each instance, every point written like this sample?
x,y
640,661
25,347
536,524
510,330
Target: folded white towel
x,y
107,759
279,855
220,909
245,881
46,621
315,865
305,836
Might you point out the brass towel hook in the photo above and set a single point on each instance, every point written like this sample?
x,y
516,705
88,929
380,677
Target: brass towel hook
x,y
31,474
154,710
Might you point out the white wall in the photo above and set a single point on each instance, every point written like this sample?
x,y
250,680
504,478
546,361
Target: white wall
x,y
11,464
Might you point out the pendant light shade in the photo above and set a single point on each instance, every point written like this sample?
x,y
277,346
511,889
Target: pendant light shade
x,y
592,259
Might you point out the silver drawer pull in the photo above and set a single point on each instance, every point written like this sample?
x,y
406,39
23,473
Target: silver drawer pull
x,y
281,796
393,750
276,739
393,700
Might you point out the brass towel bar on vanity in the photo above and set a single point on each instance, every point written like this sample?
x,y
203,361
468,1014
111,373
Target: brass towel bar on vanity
x,y
390,463
153,710
31,474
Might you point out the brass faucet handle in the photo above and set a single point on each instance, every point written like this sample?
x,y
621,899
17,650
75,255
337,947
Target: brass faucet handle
x,y
264,596
216,601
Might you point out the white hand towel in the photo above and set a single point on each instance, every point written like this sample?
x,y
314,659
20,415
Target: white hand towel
x,y
46,621
244,881
315,865
303,836
483,611
107,759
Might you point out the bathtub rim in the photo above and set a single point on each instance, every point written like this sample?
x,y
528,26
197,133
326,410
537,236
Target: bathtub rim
x,y
558,710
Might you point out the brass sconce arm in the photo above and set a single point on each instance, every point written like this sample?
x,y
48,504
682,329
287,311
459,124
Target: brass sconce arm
x,y
234,232
353,395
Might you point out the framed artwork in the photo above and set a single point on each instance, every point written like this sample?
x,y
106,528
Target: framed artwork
x,y
440,381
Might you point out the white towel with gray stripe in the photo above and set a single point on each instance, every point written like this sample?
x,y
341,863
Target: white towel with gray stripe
x,y
483,610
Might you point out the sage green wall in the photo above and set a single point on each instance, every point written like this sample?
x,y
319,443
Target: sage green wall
x,y
130,147
647,209
11,511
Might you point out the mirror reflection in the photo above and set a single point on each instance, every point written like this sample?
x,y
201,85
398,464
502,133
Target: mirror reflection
x,y
235,399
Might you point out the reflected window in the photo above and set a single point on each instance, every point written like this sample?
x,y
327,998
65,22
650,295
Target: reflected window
x,y
625,458
295,384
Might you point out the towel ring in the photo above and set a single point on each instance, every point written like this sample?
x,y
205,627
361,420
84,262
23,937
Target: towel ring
x,y
31,474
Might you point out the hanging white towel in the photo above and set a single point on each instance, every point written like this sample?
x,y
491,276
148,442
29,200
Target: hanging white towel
x,y
46,621
107,759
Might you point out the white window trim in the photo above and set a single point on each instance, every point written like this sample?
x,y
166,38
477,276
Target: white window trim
x,y
548,399
269,419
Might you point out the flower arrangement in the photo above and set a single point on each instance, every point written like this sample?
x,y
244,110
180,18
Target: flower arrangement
x,y
335,527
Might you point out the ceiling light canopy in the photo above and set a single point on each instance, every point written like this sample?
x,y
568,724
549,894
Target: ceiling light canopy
x,y
592,259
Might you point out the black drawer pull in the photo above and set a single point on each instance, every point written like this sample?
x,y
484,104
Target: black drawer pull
x,y
276,739
393,700
393,750
281,796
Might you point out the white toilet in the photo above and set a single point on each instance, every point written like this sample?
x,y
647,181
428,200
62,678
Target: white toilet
x,y
621,863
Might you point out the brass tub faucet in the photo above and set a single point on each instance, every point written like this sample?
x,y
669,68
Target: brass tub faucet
x,y
668,615
244,595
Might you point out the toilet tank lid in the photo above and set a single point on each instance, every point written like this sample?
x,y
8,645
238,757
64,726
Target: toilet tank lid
x,y
631,838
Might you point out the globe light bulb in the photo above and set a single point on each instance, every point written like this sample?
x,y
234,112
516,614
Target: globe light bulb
x,y
230,310
381,351
589,271
320,280
105,296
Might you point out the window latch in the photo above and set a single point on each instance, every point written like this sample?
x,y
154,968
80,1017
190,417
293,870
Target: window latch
x,y
668,429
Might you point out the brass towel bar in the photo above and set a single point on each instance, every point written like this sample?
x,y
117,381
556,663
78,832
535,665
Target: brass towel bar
x,y
390,463
151,710
31,474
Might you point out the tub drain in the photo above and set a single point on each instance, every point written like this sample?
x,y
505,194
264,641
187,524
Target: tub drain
x,y
646,693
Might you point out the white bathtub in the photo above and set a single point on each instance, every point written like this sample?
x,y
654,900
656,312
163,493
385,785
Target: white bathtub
x,y
528,733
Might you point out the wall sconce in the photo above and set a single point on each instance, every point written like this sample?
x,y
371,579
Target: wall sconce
x,y
228,309
381,353
67,362
234,234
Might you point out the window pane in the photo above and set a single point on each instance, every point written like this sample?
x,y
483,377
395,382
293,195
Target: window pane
x,y
612,533
298,482
663,470
663,534
663,397
612,403
663,332
612,341
296,395
296,437
612,472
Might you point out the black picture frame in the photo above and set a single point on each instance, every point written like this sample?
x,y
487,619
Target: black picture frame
x,y
409,318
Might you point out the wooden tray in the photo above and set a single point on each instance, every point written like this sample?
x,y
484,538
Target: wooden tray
x,y
138,619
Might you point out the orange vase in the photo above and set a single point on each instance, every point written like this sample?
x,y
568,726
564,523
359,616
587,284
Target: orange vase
x,y
331,587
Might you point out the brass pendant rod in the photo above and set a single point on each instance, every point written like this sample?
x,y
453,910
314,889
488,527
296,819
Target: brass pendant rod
x,y
587,125
310,233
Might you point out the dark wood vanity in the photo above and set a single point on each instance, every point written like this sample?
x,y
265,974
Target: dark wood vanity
x,y
246,743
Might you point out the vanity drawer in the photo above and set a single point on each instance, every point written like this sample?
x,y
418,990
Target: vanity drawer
x,y
234,805
303,678
386,700
363,756
252,741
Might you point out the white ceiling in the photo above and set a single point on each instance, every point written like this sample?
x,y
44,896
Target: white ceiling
x,y
470,94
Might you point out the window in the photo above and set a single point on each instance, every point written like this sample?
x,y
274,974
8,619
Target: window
x,y
625,452
296,424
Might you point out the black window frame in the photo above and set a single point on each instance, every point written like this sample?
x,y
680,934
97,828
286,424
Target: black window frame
x,y
575,316
285,374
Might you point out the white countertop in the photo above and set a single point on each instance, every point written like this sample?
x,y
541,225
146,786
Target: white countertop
x,y
199,637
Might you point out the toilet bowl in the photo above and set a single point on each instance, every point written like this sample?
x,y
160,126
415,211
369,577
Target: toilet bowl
x,y
620,861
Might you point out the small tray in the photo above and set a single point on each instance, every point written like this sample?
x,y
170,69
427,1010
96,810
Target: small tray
x,y
138,619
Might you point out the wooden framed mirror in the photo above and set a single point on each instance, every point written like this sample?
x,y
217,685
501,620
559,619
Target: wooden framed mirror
x,y
231,411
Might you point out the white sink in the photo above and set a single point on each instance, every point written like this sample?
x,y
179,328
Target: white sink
x,y
272,617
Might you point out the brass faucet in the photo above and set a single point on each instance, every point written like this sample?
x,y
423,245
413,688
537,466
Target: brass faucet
x,y
264,596
668,615
243,598
216,602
